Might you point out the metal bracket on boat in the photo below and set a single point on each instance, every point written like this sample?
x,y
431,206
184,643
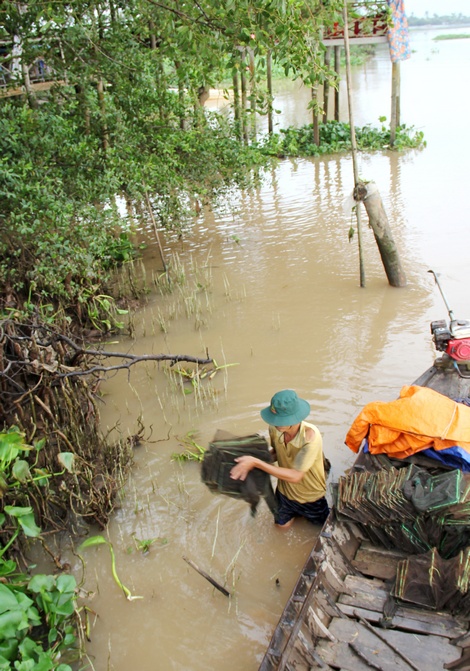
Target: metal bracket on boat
x,y
465,377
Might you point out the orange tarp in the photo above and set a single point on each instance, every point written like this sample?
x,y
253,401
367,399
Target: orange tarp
x,y
418,419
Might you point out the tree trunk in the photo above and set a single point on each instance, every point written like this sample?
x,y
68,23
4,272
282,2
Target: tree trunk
x,y
326,85
269,78
338,71
378,220
243,85
316,126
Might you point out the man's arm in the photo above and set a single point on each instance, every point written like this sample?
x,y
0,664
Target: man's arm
x,y
247,463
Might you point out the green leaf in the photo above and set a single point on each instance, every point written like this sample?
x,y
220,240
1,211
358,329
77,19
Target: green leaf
x,y
67,460
29,526
20,470
66,583
10,622
7,599
8,650
92,541
7,566
41,583
17,511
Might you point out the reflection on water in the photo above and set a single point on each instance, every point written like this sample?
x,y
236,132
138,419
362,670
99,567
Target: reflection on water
x,y
280,298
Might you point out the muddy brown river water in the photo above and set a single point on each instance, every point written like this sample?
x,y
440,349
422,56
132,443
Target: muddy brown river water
x,y
272,287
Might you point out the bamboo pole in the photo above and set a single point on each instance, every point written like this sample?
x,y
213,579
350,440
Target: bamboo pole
x,y
362,278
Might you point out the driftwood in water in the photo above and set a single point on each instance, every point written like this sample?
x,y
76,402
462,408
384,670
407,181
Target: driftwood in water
x,y
207,577
370,196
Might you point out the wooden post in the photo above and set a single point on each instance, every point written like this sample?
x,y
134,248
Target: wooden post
x,y
370,196
337,70
252,92
269,78
362,277
395,112
316,127
326,85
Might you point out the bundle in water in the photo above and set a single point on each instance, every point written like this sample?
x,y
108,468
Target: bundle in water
x,y
219,459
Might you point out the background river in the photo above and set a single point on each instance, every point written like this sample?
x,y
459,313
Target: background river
x,y
273,287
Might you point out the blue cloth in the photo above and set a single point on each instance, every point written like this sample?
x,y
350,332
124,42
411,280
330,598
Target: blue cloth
x,y
398,39
315,512
454,457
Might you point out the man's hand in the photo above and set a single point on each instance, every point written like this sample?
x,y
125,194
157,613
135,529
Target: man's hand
x,y
244,466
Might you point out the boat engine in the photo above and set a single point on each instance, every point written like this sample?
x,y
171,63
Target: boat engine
x,y
453,338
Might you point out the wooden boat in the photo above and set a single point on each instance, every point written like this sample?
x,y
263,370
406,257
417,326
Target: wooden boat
x,y
340,614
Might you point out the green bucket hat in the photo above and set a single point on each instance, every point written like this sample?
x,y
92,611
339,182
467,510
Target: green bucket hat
x,y
286,408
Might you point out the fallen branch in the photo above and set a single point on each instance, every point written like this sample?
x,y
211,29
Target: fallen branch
x,y
131,359
207,577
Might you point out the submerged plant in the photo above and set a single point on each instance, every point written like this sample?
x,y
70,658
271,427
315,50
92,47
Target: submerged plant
x,y
100,540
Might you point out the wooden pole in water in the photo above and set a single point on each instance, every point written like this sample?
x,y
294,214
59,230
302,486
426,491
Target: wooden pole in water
x,y
370,196
362,277
395,111
337,70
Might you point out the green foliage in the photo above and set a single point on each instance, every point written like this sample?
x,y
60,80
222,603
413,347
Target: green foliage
x,y
37,614
37,620
125,120
335,137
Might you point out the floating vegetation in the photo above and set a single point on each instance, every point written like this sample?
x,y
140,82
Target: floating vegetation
x,y
195,376
144,545
192,451
335,137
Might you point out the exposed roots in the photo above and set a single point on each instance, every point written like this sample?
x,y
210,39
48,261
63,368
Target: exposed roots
x,y
60,414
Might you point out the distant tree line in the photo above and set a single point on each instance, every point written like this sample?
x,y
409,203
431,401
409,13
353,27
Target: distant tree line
x,y
435,20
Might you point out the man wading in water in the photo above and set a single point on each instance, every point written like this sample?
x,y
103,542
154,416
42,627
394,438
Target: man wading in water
x,y
301,486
